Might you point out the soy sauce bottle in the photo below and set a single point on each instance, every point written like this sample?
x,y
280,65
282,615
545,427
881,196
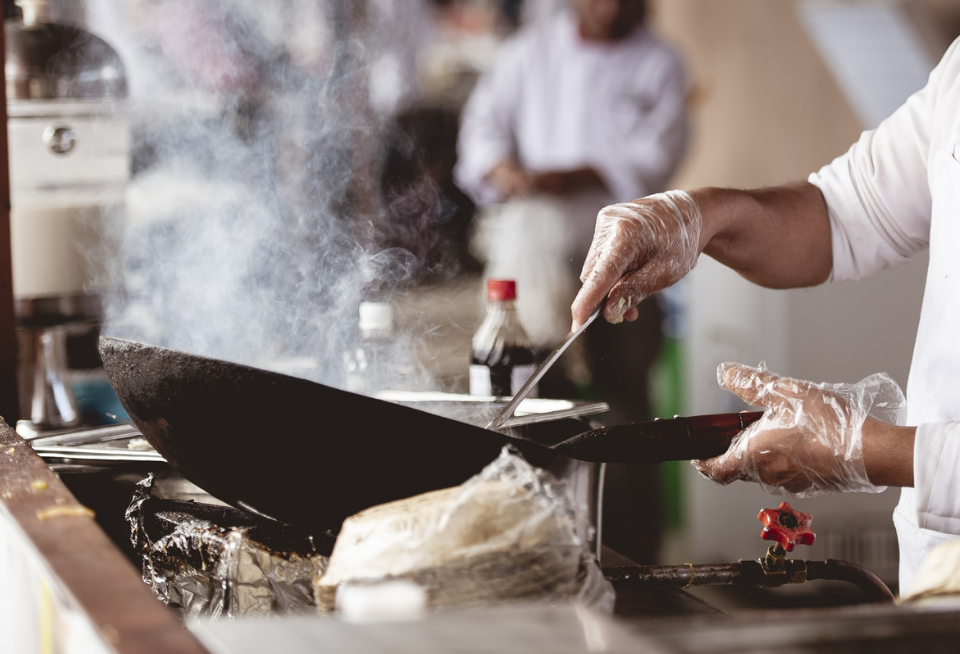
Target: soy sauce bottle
x,y
503,357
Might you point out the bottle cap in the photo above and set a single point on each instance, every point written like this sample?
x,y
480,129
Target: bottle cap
x,y
376,316
499,290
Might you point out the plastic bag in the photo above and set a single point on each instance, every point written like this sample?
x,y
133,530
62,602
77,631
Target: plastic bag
x,y
507,534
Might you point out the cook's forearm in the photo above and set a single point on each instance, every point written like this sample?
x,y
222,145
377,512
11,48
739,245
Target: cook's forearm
x,y
777,237
888,453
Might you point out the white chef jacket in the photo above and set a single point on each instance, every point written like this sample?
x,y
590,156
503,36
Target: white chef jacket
x,y
556,102
894,193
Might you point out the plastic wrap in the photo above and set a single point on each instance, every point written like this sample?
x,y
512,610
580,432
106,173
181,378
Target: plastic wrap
x,y
656,237
507,534
809,441
938,579
207,570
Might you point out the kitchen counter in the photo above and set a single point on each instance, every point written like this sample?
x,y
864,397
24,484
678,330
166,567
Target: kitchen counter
x,y
566,630
67,588
66,584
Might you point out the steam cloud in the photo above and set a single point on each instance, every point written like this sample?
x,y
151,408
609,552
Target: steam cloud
x,y
253,223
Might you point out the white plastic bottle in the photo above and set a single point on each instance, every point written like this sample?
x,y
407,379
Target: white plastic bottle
x,y
368,362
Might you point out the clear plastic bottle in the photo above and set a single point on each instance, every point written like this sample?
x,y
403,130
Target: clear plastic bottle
x,y
503,357
367,363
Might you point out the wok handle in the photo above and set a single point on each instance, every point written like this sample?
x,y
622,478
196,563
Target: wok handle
x,y
711,435
678,439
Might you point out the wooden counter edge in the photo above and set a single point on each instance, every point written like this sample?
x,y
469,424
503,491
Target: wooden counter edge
x,y
82,559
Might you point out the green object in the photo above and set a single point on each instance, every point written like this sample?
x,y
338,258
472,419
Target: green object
x,y
666,401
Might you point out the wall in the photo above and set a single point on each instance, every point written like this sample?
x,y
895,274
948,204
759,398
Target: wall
x,y
766,108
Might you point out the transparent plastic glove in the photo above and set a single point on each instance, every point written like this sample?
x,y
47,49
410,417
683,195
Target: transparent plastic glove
x,y
638,248
809,441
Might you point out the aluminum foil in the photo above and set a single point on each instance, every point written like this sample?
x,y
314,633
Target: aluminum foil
x,y
206,570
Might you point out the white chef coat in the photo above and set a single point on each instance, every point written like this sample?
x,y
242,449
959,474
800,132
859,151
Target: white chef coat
x,y
556,102
894,193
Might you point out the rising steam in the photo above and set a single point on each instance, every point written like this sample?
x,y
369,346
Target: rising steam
x,y
254,223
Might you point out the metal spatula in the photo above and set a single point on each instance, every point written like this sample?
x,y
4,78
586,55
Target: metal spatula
x,y
541,370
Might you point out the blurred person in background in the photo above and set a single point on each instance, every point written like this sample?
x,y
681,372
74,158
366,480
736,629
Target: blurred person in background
x,y
583,107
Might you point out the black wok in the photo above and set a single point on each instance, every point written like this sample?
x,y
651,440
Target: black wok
x,y
312,455
293,449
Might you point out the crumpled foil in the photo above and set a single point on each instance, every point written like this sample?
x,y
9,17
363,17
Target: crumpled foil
x,y
206,570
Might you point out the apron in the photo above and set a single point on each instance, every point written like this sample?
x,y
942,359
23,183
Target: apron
x,y
933,392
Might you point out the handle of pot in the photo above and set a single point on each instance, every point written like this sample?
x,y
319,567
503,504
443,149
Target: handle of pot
x,y
700,437
710,436
677,439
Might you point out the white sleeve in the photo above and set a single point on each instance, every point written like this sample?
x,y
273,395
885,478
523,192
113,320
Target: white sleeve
x,y
877,193
641,160
936,476
487,125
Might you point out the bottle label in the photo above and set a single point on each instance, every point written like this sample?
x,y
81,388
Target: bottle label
x,y
480,380
519,375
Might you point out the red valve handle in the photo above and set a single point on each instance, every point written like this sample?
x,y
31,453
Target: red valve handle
x,y
787,526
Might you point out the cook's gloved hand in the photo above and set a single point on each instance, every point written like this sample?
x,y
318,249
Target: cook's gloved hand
x,y
809,440
638,248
